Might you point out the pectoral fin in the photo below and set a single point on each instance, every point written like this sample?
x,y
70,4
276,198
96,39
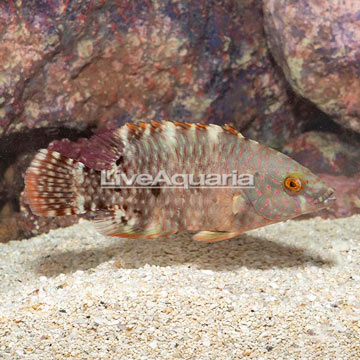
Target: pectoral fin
x,y
211,236
239,204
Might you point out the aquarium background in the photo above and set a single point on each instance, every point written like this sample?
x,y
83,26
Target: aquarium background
x,y
285,73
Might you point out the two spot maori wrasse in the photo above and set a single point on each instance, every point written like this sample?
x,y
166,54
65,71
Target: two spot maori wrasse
x,y
283,189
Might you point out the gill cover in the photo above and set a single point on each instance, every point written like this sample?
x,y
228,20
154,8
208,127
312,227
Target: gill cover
x,y
269,198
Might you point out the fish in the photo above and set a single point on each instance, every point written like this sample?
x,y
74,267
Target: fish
x,y
271,186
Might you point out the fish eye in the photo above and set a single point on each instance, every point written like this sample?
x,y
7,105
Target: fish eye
x,y
293,184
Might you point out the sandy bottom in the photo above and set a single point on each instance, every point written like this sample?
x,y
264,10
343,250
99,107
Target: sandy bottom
x,y
287,291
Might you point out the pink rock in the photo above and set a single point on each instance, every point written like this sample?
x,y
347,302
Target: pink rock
x,y
96,64
335,158
347,195
317,45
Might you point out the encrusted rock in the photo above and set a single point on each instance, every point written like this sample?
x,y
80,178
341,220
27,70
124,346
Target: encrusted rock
x,y
335,158
317,45
327,153
94,63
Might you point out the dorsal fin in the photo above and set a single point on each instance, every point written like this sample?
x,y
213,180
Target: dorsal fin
x,y
99,152
132,126
198,126
143,125
182,125
213,129
156,124
231,130
201,126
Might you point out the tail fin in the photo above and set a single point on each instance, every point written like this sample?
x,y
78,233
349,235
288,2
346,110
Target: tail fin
x,y
50,184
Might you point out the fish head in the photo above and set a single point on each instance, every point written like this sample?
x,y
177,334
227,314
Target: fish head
x,y
284,192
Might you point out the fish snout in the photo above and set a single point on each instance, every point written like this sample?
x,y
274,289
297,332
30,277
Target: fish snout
x,y
329,197
325,199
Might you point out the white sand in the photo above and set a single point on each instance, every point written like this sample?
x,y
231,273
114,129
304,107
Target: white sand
x,y
287,291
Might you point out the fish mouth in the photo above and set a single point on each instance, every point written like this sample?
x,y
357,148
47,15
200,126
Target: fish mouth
x,y
326,199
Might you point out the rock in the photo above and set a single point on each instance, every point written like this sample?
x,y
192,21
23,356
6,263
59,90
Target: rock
x,y
256,99
317,45
326,153
347,195
78,64
335,158
29,225
9,228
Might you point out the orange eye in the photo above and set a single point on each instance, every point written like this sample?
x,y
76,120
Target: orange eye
x,y
293,184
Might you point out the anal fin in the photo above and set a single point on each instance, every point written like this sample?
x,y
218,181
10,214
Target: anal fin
x,y
211,236
115,223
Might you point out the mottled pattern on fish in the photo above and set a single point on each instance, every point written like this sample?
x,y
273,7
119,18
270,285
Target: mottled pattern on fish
x,y
57,185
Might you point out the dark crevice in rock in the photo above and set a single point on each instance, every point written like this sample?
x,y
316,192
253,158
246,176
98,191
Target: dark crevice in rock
x,y
320,121
11,146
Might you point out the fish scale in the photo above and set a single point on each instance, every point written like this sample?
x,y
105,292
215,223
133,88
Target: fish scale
x,y
175,148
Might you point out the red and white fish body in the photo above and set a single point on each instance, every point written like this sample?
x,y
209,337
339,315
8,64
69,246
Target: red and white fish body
x,y
279,188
